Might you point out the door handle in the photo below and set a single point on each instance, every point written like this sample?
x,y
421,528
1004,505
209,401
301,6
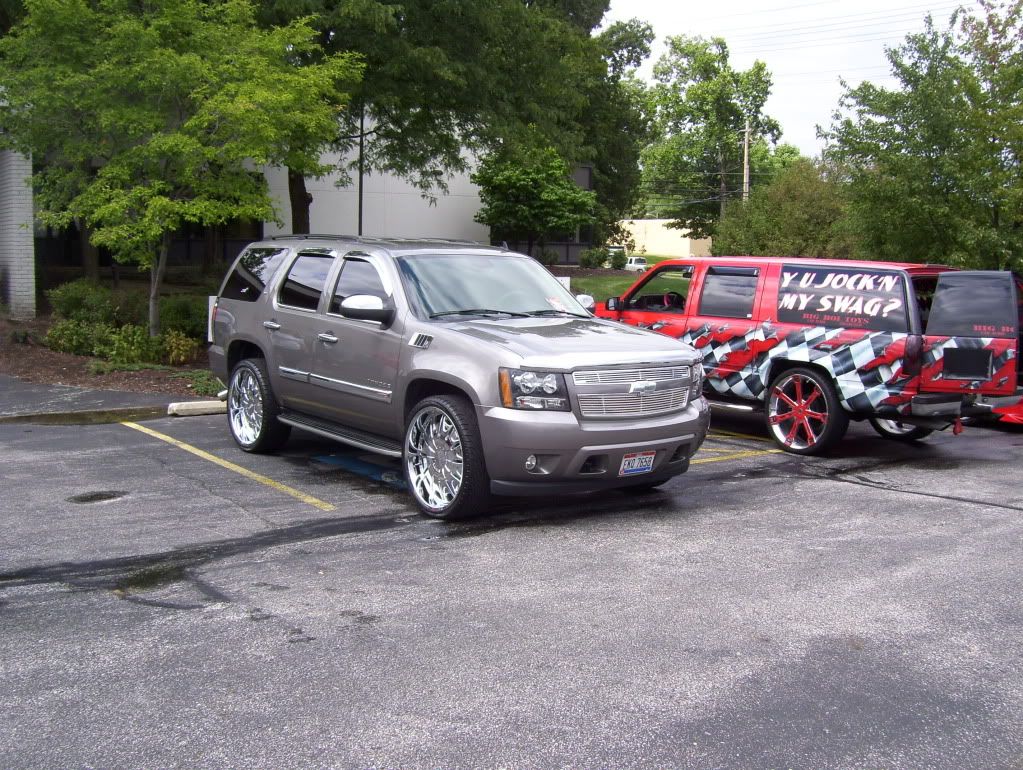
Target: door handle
x,y
327,337
271,325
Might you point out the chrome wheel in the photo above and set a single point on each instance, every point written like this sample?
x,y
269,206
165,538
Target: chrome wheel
x,y
245,407
433,458
803,412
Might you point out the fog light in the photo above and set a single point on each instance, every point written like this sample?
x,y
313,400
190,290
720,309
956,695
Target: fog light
x,y
530,462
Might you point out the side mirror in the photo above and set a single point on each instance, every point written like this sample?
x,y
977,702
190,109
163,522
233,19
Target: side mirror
x,y
613,303
586,301
366,307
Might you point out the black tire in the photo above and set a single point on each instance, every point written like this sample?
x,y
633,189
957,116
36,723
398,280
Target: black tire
x,y
443,459
803,413
898,431
252,408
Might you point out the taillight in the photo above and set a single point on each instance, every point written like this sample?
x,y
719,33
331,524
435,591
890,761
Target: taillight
x,y
912,361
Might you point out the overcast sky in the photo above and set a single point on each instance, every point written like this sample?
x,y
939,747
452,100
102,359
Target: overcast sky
x,y
807,45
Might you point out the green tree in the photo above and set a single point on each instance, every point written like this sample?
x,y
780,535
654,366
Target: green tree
x,y
447,79
802,212
702,107
529,193
934,165
616,125
145,117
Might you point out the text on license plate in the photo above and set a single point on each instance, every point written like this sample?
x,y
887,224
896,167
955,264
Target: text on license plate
x,y
637,462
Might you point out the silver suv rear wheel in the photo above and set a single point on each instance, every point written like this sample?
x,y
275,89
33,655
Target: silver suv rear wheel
x,y
252,408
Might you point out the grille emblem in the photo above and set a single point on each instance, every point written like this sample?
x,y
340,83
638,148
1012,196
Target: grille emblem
x,y
643,386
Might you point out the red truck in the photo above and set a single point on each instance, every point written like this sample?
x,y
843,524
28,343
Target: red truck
x,y
816,343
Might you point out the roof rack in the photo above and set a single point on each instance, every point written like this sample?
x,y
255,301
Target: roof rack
x,y
321,236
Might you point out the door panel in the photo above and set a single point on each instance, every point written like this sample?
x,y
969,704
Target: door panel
x,y
971,337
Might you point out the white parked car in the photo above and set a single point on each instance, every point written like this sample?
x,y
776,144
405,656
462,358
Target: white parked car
x,y
636,264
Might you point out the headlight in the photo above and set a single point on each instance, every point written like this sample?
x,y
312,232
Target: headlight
x,y
697,382
522,389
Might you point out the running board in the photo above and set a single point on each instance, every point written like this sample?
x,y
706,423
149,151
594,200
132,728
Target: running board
x,y
730,405
357,438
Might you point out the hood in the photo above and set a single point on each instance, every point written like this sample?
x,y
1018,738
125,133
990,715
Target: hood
x,y
569,343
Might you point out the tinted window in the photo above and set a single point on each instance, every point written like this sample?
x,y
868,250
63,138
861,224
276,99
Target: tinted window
x,y
973,305
729,292
251,273
357,277
851,298
305,281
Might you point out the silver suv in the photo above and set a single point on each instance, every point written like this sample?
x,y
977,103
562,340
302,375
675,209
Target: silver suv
x,y
472,364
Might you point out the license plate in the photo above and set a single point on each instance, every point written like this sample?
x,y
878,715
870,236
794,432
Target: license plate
x,y
637,462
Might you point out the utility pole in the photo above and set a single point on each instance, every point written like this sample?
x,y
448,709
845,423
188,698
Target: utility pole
x,y
362,160
745,163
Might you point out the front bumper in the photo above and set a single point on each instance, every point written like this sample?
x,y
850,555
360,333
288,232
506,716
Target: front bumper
x,y
573,456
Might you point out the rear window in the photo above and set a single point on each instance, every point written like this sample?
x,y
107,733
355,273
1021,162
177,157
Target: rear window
x,y
850,298
973,304
251,273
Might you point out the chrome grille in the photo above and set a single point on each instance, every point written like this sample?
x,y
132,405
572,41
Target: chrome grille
x,y
628,376
614,404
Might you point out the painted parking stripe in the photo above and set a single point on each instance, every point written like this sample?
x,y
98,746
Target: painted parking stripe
x,y
729,434
736,456
309,499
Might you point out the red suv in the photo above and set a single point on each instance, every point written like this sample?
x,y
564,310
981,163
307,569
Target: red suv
x,y
911,348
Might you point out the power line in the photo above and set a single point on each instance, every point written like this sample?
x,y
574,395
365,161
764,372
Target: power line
x,y
889,13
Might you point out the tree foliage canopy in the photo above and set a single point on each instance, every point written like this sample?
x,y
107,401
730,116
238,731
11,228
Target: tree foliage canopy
x,y
702,105
934,166
529,192
145,117
801,212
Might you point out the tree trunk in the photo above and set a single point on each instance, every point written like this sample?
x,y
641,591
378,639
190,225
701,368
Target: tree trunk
x,y
90,254
300,201
156,274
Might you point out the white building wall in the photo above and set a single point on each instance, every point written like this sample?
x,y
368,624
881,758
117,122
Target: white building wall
x,y
653,236
17,248
391,208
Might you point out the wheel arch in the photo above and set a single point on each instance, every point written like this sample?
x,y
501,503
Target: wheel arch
x,y
779,366
241,349
426,386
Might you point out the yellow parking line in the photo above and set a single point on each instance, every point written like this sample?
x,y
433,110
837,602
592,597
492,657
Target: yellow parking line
x,y
729,434
736,456
316,503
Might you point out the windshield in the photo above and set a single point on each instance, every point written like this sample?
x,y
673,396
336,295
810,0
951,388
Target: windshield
x,y
443,285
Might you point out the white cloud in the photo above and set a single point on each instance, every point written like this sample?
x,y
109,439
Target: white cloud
x,y
807,46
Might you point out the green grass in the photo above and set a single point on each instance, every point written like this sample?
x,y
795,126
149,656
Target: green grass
x,y
600,287
203,382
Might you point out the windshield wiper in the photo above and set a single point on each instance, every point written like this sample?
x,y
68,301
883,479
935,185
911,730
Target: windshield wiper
x,y
480,311
551,312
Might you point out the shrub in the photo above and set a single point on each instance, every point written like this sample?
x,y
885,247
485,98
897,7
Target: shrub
x,y
179,348
132,344
547,257
185,313
594,258
79,337
83,300
618,260
131,307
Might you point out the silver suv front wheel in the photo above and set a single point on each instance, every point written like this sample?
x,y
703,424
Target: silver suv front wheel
x,y
443,458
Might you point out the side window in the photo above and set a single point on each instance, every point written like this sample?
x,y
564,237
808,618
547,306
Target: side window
x,y
251,273
357,277
853,298
729,292
305,281
665,291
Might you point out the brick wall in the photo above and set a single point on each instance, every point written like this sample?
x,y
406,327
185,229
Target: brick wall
x,y
17,252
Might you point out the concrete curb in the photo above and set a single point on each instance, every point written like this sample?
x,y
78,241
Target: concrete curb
x,y
88,416
193,408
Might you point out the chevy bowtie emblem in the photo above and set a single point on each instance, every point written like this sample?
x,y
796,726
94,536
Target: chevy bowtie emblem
x,y
646,386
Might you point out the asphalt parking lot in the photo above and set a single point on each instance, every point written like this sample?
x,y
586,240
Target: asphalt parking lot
x,y
166,600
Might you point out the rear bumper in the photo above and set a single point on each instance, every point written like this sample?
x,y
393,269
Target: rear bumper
x,y
956,405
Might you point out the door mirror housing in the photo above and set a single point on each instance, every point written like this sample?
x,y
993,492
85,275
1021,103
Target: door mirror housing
x,y
586,301
614,303
366,307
